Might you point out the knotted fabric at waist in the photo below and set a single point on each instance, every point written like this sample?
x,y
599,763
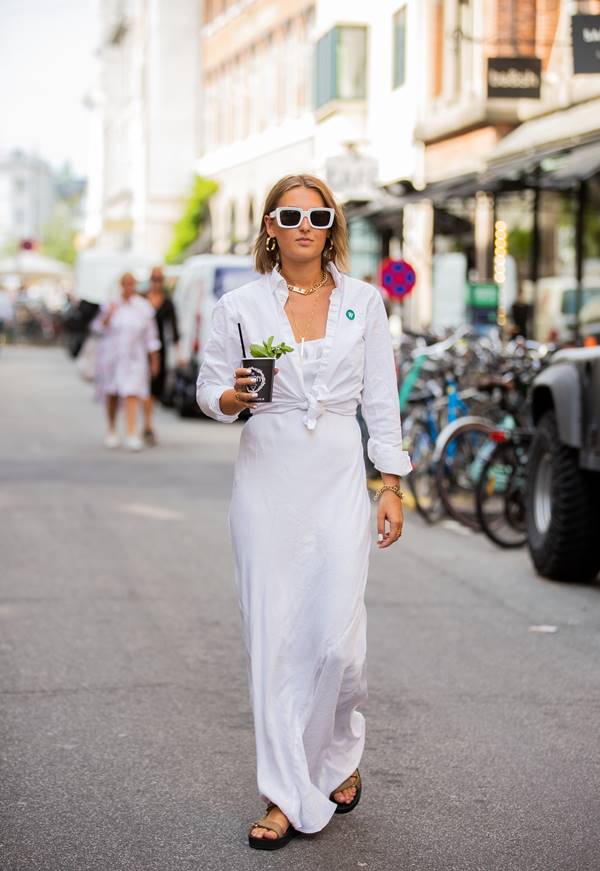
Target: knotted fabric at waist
x,y
312,405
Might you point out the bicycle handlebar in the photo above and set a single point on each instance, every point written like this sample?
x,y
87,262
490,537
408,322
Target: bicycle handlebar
x,y
441,347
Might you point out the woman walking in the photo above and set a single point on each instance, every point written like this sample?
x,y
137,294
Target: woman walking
x,y
300,514
168,332
127,356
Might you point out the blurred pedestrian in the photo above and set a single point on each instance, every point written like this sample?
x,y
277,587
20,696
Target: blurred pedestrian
x,y
126,357
168,333
6,314
300,513
521,315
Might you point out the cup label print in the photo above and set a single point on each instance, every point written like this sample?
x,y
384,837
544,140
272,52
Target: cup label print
x,y
260,380
263,369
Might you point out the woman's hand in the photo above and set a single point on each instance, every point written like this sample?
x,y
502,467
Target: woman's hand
x,y
389,508
234,401
243,379
108,314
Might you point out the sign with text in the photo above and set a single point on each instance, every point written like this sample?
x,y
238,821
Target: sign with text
x,y
586,43
514,77
482,303
352,176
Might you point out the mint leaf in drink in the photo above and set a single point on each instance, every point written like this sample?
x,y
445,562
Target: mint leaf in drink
x,y
258,351
282,349
267,349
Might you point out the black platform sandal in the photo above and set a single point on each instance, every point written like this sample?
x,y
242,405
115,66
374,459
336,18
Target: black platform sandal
x,y
282,839
355,781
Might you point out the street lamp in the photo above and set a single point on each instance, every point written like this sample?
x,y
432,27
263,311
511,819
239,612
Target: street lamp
x,y
500,253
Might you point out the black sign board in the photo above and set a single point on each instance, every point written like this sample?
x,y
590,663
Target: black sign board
x,y
586,43
514,77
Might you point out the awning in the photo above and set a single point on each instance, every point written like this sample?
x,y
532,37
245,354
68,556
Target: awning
x,y
555,170
30,264
444,190
557,131
580,164
553,151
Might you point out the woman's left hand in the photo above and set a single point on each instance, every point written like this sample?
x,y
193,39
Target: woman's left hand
x,y
389,508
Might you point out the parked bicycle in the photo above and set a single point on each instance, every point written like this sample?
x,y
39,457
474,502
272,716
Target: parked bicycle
x,y
502,486
454,395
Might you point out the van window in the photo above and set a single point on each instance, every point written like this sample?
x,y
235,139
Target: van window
x,y
569,299
229,277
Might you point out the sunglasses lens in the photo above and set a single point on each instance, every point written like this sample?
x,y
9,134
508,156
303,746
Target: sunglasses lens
x,y
320,218
289,217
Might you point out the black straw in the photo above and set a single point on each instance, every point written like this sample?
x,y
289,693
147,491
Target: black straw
x,y
241,340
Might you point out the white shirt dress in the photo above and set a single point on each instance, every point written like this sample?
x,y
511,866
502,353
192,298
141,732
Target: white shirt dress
x,y
300,524
122,367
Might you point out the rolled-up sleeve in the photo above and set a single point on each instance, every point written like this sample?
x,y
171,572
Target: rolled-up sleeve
x,y
380,406
221,356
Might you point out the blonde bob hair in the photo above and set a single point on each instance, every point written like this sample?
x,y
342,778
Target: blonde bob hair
x,y
336,247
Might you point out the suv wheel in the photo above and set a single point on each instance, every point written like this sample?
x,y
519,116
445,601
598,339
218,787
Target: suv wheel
x,y
562,509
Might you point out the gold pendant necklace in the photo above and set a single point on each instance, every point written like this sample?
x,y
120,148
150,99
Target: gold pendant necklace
x,y
307,325
307,291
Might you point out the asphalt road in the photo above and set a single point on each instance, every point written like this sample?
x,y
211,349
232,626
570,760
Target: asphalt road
x,y
125,731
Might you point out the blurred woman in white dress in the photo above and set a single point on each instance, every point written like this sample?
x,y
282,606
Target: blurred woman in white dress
x,y
300,513
126,358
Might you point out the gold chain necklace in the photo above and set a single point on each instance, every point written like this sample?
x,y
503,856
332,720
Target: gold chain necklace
x,y
314,287
307,325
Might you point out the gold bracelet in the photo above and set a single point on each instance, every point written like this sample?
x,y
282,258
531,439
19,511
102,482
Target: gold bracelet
x,y
393,487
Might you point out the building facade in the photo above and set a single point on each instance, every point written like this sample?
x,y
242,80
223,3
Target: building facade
x,y
258,122
148,105
27,197
492,158
330,88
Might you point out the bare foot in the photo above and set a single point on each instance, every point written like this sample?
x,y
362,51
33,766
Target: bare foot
x,y
348,794
345,796
278,817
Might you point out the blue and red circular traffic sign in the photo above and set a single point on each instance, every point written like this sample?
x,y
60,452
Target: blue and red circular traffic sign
x,y
397,277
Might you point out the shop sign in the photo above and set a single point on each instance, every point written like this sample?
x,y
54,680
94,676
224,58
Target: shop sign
x,y
514,77
586,43
482,304
352,176
482,295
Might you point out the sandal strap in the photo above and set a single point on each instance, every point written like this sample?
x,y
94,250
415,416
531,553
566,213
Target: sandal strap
x,y
272,825
352,781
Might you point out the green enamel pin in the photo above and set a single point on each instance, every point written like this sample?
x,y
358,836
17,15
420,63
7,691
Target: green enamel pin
x,y
350,314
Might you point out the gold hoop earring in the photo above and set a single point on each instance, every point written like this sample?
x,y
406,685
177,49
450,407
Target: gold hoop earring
x,y
271,245
329,249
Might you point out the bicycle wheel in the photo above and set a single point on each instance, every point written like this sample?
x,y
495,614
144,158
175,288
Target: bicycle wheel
x,y
422,478
460,454
501,496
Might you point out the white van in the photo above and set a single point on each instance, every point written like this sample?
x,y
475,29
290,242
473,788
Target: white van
x,y
203,281
98,270
556,306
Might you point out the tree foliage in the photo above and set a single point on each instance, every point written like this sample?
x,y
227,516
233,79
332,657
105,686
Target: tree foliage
x,y
189,226
58,236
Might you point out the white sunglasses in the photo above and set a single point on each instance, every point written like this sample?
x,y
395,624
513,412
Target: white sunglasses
x,y
290,217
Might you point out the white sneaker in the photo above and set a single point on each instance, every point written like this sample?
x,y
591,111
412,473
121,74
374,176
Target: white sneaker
x,y
134,443
111,440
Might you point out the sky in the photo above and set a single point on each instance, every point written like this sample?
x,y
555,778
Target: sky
x,y
47,64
